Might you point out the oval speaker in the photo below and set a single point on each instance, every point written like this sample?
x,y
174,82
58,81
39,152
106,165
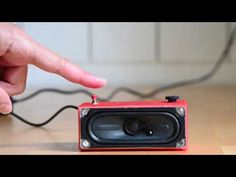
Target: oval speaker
x,y
121,128
133,127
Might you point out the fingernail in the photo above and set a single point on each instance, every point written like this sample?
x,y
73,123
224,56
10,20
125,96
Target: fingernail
x,y
97,82
5,108
101,80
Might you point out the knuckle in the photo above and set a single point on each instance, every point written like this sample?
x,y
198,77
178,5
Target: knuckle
x,y
61,64
19,89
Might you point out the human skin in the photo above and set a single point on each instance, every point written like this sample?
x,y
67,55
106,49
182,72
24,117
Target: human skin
x,y
18,50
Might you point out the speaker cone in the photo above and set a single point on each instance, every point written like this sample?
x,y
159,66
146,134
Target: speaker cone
x,y
133,127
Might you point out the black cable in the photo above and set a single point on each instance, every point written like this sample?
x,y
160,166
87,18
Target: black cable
x,y
203,78
45,122
86,92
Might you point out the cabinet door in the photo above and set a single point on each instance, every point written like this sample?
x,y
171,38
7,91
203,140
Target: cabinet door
x,y
192,42
123,42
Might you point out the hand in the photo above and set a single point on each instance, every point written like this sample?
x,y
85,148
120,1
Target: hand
x,y
17,50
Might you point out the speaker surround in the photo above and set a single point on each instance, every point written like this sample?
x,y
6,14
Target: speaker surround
x,y
141,125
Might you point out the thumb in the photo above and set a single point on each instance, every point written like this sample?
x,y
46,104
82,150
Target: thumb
x,y
5,102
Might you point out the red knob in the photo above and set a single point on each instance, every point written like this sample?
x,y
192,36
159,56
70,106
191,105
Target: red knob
x,y
94,98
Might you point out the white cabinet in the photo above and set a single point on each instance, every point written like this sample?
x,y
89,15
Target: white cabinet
x,y
67,39
124,42
192,42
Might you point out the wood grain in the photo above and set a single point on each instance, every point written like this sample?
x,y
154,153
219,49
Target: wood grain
x,y
212,123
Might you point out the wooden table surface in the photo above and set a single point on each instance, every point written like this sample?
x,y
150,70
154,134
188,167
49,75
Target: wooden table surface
x,y
212,122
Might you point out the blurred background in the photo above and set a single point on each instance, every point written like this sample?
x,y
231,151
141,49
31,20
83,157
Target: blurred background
x,y
135,54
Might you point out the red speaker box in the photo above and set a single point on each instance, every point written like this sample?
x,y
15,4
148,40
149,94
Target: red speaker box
x,y
133,125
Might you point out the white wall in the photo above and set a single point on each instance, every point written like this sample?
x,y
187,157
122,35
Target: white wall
x,y
135,53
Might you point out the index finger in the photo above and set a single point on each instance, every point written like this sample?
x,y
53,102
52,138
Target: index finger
x,y
51,62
